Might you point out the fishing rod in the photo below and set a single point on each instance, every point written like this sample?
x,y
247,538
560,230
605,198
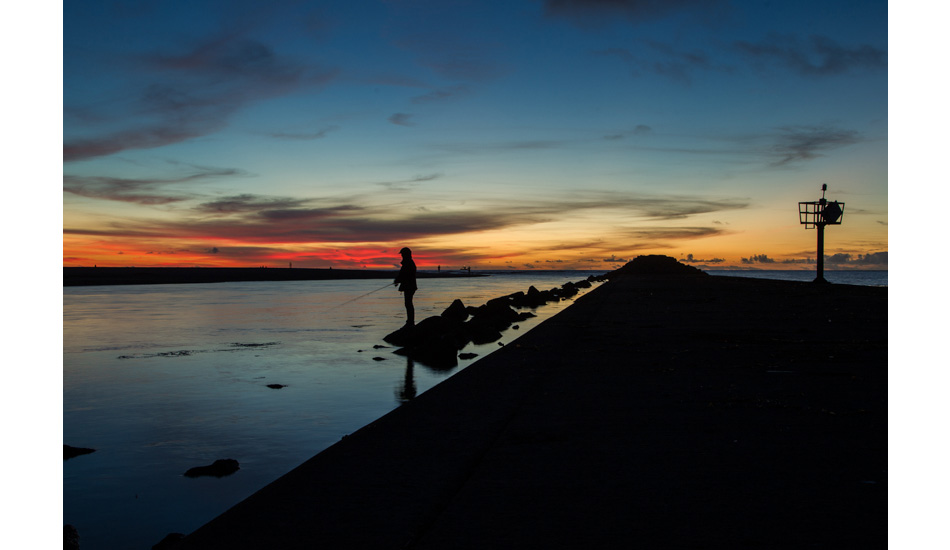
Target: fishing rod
x,y
361,296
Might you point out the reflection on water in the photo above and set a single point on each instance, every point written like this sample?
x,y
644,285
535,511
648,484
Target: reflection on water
x,y
161,378
407,390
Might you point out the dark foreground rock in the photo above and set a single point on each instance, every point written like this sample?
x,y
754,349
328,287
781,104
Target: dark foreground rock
x,y
655,412
72,452
70,538
170,542
220,468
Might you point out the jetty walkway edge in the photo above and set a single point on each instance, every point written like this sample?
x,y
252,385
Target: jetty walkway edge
x,y
667,412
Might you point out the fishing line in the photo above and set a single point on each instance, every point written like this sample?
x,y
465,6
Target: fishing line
x,y
360,296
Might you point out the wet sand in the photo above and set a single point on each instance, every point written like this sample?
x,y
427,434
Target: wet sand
x,y
663,412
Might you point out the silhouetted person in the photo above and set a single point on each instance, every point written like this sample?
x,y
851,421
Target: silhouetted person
x,y
407,283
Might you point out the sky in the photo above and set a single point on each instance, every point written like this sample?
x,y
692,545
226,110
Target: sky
x,y
516,134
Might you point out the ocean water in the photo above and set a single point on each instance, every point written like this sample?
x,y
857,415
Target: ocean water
x,y
841,277
161,378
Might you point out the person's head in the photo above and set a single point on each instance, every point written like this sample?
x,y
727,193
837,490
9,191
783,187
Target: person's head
x,y
406,253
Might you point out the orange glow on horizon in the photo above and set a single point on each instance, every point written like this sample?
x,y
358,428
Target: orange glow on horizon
x,y
80,251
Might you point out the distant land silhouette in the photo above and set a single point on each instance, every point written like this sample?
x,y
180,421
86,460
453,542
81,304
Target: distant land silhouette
x,y
91,276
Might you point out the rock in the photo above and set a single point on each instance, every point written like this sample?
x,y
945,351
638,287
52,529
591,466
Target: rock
x,y
434,341
568,290
72,452
524,315
481,333
583,284
496,314
401,336
535,297
468,355
70,538
379,358
428,331
170,541
220,468
456,312
276,386
439,355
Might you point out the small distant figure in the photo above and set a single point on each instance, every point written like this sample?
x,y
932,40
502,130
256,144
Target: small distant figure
x,y
406,279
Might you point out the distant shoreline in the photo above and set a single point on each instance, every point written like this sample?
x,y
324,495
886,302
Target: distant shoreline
x,y
97,276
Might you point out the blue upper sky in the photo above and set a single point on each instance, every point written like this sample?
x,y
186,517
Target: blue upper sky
x,y
515,132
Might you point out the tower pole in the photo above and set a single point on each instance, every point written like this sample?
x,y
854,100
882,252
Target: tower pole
x,y
821,252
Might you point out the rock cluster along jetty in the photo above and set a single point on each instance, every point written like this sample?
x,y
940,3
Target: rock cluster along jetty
x,y
436,340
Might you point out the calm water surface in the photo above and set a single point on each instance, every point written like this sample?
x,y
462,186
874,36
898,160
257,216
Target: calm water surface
x,y
161,378
841,277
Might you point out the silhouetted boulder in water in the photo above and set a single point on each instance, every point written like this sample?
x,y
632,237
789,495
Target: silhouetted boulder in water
x,y
72,452
401,336
481,333
428,331
535,297
70,538
456,312
437,356
435,341
568,290
655,264
220,468
170,541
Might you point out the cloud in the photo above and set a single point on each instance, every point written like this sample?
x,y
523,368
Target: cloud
x,y
818,56
871,259
675,233
401,119
639,130
662,60
405,185
304,136
247,203
690,260
441,94
500,147
454,56
797,143
257,219
758,259
146,191
186,95
874,258
587,13
841,259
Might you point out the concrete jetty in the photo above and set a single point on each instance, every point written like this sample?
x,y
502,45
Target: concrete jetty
x,y
655,412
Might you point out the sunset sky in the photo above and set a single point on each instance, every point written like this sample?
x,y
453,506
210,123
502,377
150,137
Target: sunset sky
x,y
497,134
